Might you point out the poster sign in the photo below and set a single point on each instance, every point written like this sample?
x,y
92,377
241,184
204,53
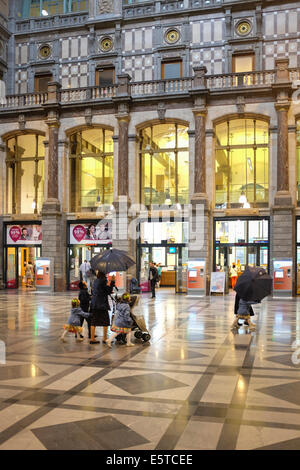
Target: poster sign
x,y
91,233
217,283
24,234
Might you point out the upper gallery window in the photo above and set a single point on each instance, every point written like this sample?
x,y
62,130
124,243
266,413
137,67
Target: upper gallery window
x,y
298,161
242,163
25,155
164,160
43,8
91,169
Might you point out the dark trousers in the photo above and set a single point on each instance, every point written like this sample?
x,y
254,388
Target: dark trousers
x,y
88,322
153,284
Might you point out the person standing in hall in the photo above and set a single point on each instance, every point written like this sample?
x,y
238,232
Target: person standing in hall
x,y
100,306
153,278
85,269
84,298
233,273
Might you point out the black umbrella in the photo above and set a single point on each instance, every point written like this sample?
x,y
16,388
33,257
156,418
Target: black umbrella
x,y
112,260
254,284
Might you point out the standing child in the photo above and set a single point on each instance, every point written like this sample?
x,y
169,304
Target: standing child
x,y
84,298
122,321
74,321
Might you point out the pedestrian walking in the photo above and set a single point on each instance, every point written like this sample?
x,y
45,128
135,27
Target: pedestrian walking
x,y
85,270
29,274
233,273
122,321
74,321
153,278
84,299
100,306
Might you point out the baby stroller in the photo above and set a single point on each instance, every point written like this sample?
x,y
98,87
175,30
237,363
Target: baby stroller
x,y
139,325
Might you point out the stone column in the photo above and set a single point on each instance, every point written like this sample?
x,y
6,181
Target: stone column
x,y
121,239
282,213
53,224
123,120
200,213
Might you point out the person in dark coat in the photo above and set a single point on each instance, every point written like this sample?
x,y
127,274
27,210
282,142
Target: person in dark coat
x,y
153,278
100,306
84,298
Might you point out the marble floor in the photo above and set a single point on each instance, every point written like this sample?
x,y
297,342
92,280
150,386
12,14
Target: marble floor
x,y
196,385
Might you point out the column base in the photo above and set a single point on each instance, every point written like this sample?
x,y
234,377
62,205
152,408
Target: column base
x,y
283,199
51,206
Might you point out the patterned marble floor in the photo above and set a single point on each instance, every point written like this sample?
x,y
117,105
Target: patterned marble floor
x,y
195,386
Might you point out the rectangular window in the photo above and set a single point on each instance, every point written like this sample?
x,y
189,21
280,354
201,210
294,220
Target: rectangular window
x,y
171,69
105,77
243,63
41,83
44,8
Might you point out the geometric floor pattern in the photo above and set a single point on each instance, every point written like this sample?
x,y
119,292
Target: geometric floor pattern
x,y
196,385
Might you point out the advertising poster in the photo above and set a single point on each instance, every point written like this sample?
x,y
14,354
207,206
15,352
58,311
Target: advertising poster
x,y
91,233
24,234
217,283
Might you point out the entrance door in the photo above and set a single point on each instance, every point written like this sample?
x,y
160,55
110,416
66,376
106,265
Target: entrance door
x,y
77,254
16,261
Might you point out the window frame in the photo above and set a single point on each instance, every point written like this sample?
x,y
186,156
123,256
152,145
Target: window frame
x,y
152,151
14,163
252,146
75,205
170,61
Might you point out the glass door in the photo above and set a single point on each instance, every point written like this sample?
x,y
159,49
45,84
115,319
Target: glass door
x,y
11,268
145,256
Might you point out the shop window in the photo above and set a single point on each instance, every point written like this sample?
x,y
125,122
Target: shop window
x,y
40,8
105,77
242,164
171,69
41,82
25,155
164,157
91,169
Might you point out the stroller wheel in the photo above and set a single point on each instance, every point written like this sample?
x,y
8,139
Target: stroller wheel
x,y
138,334
146,337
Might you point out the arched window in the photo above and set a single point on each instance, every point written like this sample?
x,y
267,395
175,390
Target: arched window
x,y
91,164
242,163
25,155
164,157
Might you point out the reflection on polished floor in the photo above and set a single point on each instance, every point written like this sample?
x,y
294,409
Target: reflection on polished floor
x,y
195,386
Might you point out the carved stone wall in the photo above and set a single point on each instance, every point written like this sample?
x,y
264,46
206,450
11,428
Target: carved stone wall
x,y
105,6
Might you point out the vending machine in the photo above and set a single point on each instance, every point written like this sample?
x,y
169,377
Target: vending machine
x,y
44,274
196,277
283,277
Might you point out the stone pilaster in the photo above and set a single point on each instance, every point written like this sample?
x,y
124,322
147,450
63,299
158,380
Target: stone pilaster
x,y
54,244
283,211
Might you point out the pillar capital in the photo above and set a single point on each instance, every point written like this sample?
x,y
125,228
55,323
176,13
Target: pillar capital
x,y
282,106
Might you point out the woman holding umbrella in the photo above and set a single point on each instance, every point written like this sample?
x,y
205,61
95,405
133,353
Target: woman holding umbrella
x,y
100,306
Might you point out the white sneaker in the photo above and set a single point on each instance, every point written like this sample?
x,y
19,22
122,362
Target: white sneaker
x,y
79,340
108,343
129,345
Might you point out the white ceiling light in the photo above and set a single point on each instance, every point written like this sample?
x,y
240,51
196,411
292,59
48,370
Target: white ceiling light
x,y
45,13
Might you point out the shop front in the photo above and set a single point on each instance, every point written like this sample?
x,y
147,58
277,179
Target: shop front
x,y
85,239
164,243
22,246
242,242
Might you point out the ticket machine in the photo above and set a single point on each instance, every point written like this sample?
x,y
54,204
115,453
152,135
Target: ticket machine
x,y
196,277
282,277
44,275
